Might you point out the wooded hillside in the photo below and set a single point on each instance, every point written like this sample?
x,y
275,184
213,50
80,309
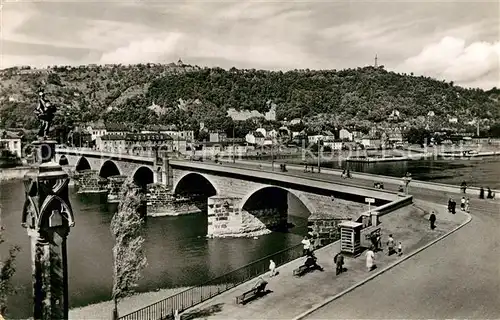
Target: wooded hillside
x,y
125,93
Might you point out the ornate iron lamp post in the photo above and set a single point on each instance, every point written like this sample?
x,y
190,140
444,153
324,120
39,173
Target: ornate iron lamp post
x,y
47,216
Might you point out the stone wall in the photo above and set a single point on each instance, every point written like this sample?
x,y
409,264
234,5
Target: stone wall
x,y
325,228
162,202
90,182
224,217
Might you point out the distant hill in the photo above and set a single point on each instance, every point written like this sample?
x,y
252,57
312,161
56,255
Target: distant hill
x,y
126,93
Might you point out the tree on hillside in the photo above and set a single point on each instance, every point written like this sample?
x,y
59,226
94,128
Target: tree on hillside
x,y
7,270
352,94
128,252
418,136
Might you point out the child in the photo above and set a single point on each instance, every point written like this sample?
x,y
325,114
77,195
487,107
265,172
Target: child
x,y
272,268
400,249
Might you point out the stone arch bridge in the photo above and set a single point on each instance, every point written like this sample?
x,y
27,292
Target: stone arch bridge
x,y
243,201
144,170
252,201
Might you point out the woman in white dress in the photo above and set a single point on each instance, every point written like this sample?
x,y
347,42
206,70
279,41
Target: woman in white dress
x,y
370,259
272,268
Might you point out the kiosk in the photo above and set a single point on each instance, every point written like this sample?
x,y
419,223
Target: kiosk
x,y
350,237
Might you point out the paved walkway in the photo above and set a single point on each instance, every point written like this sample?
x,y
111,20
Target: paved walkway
x,y
456,278
291,296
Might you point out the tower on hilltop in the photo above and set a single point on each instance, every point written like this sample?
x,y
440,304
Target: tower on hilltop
x,y
376,61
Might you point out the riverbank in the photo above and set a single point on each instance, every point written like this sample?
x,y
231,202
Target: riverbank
x,y
104,310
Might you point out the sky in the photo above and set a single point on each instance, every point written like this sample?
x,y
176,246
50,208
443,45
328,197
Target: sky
x,y
451,40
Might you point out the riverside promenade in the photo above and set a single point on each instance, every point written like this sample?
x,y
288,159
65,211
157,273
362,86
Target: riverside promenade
x,y
291,296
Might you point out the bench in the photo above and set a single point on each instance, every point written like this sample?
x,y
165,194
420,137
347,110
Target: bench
x,y
300,271
257,290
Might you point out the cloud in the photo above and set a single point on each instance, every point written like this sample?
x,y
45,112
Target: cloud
x,y
148,50
453,59
455,41
278,55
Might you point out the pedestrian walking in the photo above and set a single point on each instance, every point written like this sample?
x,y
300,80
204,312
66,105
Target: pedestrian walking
x,y
390,245
432,220
481,193
339,261
462,204
307,245
374,240
491,194
453,206
463,186
370,260
450,204
400,249
272,268
467,205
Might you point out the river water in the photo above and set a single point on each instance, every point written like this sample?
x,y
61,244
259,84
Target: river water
x,y
178,252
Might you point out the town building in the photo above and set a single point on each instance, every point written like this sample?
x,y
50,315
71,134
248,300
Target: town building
x,y
243,114
140,143
395,115
271,114
217,136
112,143
345,134
11,141
211,149
334,145
117,129
80,137
371,142
324,136
171,130
96,129
255,138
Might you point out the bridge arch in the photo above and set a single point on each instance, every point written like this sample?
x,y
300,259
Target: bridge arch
x,y
193,183
109,168
82,164
63,161
143,176
270,205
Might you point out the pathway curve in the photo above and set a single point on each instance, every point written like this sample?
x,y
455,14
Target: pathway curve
x,y
459,277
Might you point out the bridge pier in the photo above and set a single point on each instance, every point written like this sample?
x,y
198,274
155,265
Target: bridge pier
x,y
161,201
224,217
89,181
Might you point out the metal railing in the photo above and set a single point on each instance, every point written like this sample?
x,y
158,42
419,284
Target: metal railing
x,y
164,309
